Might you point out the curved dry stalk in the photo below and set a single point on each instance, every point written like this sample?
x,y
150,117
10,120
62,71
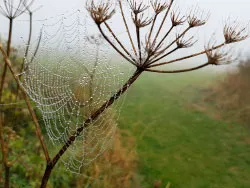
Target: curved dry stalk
x,y
31,111
118,41
126,25
109,41
179,71
163,21
153,60
86,124
187,57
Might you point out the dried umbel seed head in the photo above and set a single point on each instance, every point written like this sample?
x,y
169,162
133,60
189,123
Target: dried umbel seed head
x,y
142,21
235,32
14,8
137,6
219,56
159,6
177,19
101,11
185,43
197,17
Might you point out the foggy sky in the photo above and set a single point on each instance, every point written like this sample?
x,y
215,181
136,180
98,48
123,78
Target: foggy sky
x,y
219,9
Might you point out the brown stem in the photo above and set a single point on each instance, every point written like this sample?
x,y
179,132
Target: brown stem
x,y
187,57
29,40
167,54
116,49
151,29
8,55
138,37
4,151
7,177
3,144
31,111
118,41
86,124
126,25
166,35
179,71
163,21
174,41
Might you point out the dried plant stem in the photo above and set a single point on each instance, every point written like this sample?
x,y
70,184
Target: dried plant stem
x,y
107,39
163,21
138,37
8,55
4,150
31,111
179,71
86,124
166,35
3,144
174,41
118,41
126,25
187,57
151,29
29,39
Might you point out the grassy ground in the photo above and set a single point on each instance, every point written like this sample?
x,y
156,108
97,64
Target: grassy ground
x,y
178,144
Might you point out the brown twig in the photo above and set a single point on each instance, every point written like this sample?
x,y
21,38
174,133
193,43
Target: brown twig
x,y
86,124
178,71
127,29
186,57
118,41
31,111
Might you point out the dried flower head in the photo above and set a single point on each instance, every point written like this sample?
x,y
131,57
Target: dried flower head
x,y
159,6
176,18
14,8
142,21
235,32
185,43
137,6
220,56
101,11
197,17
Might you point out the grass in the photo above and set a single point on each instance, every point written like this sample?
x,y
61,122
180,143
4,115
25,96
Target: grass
x,y
178,144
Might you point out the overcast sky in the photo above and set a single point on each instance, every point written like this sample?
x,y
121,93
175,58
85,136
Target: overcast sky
x,y
219,9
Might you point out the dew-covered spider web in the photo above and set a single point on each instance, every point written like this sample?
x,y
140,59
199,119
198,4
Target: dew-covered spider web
x,y
71,75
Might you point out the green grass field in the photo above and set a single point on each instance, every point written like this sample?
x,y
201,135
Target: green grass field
x,y
181,145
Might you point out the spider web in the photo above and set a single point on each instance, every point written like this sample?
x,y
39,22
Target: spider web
x,y
69,78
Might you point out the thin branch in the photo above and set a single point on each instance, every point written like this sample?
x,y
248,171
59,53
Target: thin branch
x,y
29,40
107,39
31,111
86,124
8,54
187,57
166,35
151,29
126,25
179,71
136,23
118,41
173,42
163,21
